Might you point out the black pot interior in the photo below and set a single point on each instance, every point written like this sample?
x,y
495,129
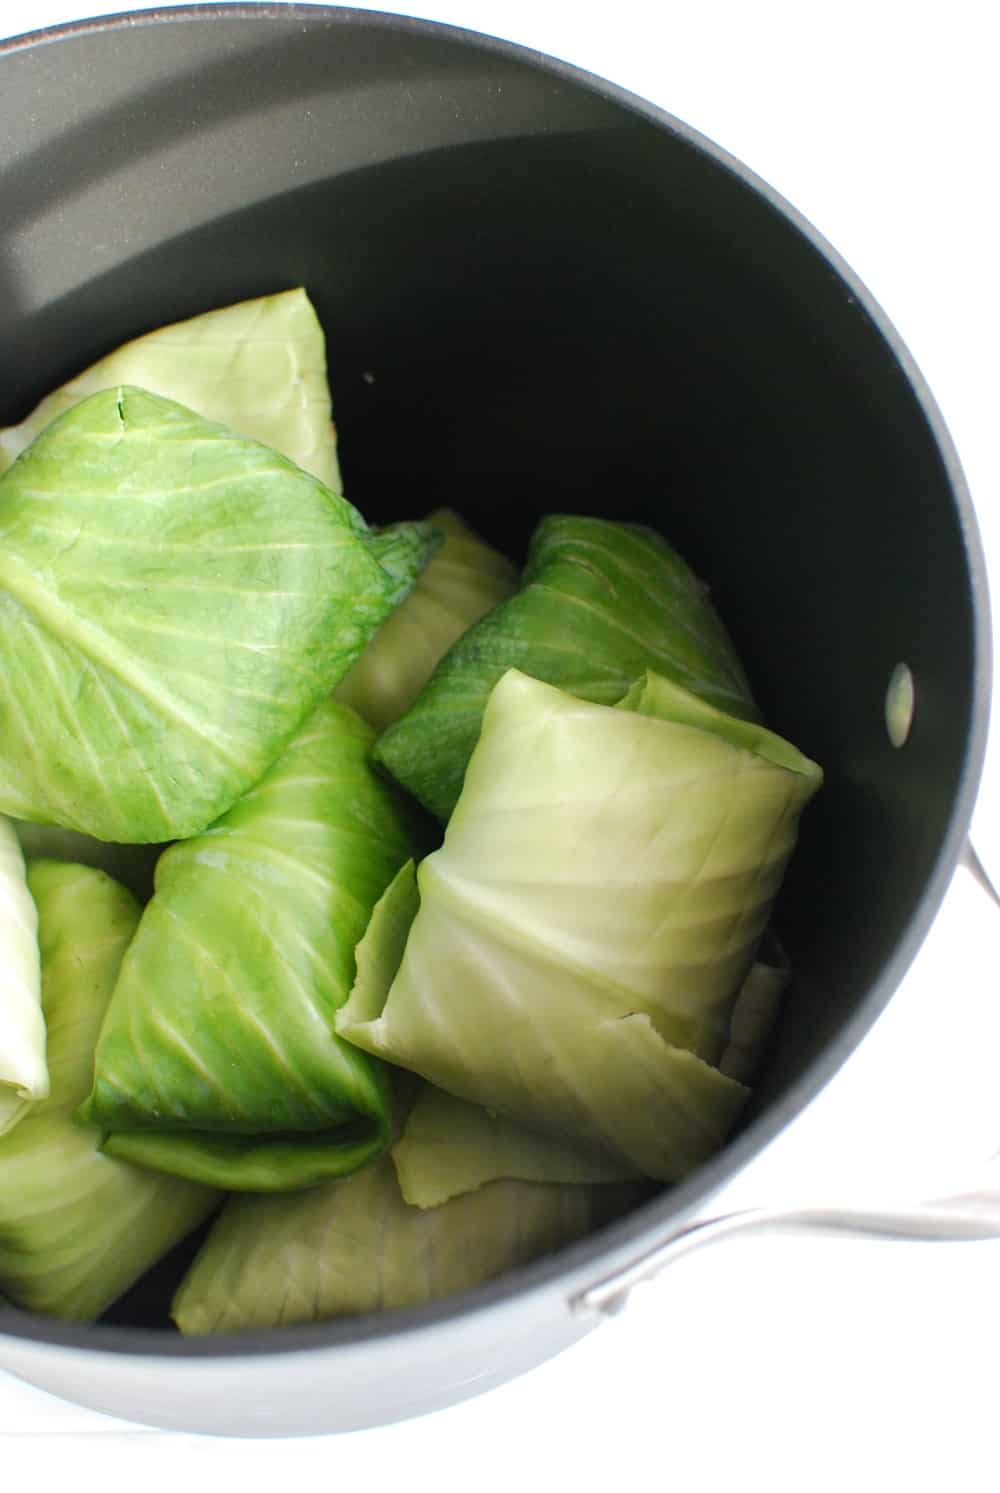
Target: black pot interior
x,y
541,298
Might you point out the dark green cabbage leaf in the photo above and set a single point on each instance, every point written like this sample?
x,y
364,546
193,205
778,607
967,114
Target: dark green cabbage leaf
x,y
218,1060
599,603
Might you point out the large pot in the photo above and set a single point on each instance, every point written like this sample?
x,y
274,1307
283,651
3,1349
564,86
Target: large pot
x,y
540,294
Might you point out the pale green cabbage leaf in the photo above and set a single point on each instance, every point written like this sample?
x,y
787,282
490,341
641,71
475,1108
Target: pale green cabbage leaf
x,y
218,1060
24,1075
258,367
464,581
449,1147
599,603
174,601
355,1246
755,1013
77,1227
602,887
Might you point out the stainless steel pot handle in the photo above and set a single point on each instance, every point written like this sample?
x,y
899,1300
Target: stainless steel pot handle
x,y
974,1215
972,862
962,1216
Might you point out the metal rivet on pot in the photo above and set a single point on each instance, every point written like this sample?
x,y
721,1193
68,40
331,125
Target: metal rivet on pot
x,y
900,699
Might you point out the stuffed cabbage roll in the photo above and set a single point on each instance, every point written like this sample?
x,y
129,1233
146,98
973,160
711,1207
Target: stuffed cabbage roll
x,y
77,1227
582,934
599,603
355,1246
464,581
448,1146
174,601
258,367
24,1076
218,1060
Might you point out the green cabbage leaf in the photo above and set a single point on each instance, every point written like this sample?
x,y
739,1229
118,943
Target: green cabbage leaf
x,y
76,1227
449,1147
258,367
355,1246
755,1013
603,885
403,551
599,603
465,579
24,1075
174,601
218,1060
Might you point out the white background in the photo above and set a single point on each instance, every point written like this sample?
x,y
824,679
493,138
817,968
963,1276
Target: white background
x,y
780,1364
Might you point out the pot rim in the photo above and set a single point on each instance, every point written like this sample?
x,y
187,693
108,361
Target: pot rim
x,y
609,1247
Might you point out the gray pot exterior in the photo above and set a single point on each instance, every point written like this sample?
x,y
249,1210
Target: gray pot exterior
x,y
309,1392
